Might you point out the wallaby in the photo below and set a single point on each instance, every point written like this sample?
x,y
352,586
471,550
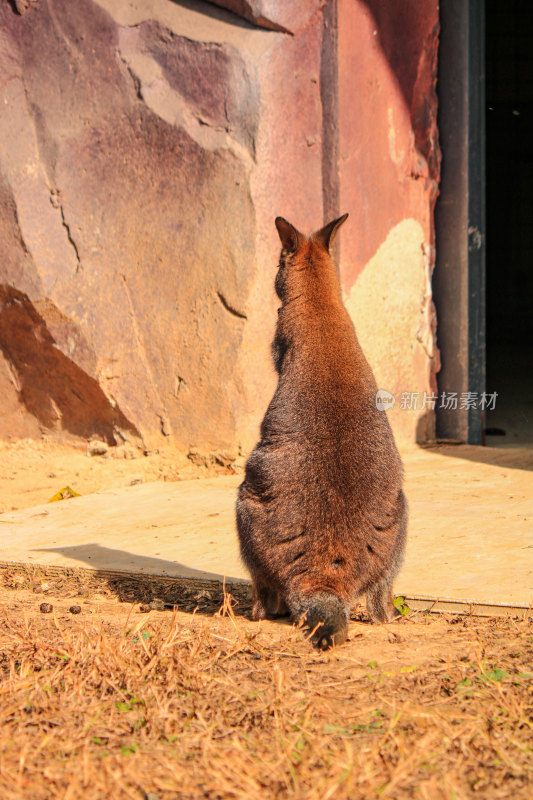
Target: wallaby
x,y
321,515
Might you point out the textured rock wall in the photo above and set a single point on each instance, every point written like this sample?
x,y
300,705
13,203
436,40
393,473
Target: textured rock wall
x,y
145,147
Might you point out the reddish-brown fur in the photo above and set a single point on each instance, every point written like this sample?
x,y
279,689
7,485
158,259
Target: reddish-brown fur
x,y
321,514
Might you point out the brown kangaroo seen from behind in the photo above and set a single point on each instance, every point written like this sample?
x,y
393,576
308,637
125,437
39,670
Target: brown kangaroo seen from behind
x,y
321,514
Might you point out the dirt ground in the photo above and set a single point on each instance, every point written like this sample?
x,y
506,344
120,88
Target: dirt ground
x,y
114,688
32,472
122,700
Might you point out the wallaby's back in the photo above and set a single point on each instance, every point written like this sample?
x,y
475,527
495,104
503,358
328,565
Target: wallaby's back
x,y
321,514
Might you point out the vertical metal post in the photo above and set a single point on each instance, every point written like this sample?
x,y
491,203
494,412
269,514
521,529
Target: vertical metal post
x,y
459,279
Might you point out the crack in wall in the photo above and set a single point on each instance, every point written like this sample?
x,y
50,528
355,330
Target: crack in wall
x,y
133,76
178,383
42,172
71,240
230,308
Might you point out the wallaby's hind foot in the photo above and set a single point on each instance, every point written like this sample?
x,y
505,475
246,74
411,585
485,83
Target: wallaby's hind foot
x,y
379,602
266,603
379,598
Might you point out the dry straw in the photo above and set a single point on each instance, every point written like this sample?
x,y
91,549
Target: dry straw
x,y
176,705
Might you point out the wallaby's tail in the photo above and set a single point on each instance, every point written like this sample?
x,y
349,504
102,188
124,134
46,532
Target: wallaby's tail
x,y
326,619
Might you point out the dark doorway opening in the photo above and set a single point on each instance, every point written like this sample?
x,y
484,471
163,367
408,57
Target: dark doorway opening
x,y
509,214
483,280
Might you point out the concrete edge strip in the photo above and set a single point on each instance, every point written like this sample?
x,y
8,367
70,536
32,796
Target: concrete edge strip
x,y
434,605
475,608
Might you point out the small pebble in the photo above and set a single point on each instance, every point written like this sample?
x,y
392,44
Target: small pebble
x,y
75,609
46,608
157,604
144,608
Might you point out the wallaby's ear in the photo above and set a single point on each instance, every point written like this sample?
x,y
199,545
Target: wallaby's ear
x,y
327,234
288,234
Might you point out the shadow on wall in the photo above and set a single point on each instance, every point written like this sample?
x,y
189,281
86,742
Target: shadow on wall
x,y
415,84
51,386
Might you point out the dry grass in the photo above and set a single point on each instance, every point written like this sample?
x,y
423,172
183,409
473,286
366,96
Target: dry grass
x,y
174,705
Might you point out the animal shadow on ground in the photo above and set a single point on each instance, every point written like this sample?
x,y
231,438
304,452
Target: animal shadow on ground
x,y
153,582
